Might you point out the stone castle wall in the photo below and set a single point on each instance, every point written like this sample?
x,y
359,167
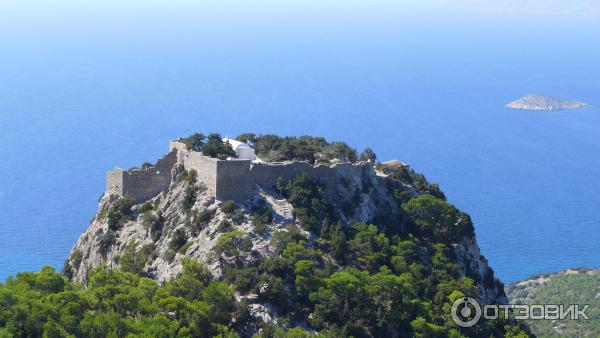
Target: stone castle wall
x,y
265,175
226,179
142,184
114,182
234,181
205,167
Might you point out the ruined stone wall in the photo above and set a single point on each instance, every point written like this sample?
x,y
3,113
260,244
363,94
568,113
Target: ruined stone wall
x,y
114,182
233,180
265,175
179,146
225,179
142,184
205,167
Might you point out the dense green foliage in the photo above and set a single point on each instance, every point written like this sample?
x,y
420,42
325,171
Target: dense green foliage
x,y
304,148
308,197
579,286
403,175
194,142
118,213
212,146
437,219
360,280
117,304
394,276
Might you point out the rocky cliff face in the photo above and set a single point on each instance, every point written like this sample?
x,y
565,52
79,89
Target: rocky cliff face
x,y
154,237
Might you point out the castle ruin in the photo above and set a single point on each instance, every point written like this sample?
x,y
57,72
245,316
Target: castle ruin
x,y
231,179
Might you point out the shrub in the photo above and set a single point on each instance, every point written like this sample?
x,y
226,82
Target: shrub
x,y
189,176
259,226
179,239
233,243
228,207
224,226
303,148
405,175
216,148
132,260
438,219
205,215
76,258
170,255
238,216
106,241
119,213
147,206
194,142
189,198
307,195
200,219
149,251
262,215
338,151
243,279
368,155
67,271
185,247
156,227
246,137
147,218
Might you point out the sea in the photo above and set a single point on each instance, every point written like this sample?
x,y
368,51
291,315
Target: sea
x,y
88,86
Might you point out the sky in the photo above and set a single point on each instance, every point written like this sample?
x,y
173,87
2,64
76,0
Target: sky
x,y
541,7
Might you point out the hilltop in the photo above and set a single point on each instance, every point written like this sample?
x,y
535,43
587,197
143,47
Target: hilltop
x,y
542,102
268,235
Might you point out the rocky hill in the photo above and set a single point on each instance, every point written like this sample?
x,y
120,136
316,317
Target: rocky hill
x,y
306,254
573,286
542,102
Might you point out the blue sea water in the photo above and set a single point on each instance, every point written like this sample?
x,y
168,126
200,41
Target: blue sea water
x,y
84,88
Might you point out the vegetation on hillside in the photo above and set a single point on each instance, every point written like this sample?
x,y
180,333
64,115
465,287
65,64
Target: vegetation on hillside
x,y
303,148
360,280
396,275
118,304
579,286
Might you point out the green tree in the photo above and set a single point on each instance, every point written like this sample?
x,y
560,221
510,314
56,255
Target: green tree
x,y
215,147
195,142
438,219
133,260
368,155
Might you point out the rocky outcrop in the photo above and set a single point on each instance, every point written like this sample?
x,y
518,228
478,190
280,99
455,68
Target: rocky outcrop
x,y
541,102
475,265
186,220
102,243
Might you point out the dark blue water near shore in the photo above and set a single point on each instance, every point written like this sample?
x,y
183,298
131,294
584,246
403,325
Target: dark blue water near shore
x,y
77,100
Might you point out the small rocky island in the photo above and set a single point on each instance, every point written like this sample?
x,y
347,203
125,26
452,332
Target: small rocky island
x,y
542,102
